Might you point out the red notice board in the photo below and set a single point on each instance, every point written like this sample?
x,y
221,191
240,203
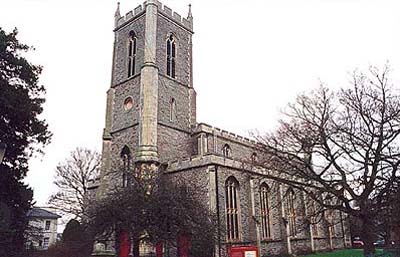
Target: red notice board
x,y
243,251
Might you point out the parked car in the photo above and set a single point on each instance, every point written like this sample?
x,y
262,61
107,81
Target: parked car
x,y
379,243
357,243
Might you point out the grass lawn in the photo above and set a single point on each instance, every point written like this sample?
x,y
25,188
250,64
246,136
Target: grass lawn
x,y
341,253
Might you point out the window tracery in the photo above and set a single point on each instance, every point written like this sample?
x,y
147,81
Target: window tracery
x,y
132,42
171,55
232,208
265,215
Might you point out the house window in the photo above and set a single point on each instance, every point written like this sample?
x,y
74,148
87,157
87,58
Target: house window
x,y
46,242
126,158
131,53
291,213
172,110
226,151
232,208
47,225
171,54
265,217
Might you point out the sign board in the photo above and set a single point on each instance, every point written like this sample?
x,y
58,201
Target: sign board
x,y
243,251
250,254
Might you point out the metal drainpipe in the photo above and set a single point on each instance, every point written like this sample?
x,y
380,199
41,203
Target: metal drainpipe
x,y
218,214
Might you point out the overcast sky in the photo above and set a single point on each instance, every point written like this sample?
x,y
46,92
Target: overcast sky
x,y
251,58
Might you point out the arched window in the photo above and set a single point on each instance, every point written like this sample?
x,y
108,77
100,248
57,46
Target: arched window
x,y
314,219
131,53
291,212
232,208
265,215
171,54
226,151
126,159
172,109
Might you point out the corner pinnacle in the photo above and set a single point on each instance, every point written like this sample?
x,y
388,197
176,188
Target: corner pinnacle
x,y
117,12
190,17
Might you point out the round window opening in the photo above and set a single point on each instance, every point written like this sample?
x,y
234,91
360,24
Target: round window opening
x,y
128,103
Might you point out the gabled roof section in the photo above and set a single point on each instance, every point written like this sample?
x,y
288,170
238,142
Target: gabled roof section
x,y
37,212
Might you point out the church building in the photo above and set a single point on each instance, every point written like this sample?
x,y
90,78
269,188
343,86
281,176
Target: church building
x,y
151,122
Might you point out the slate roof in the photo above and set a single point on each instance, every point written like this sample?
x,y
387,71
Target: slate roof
x,y
41,213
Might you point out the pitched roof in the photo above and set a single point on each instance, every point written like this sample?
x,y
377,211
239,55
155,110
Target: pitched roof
x,y
41,213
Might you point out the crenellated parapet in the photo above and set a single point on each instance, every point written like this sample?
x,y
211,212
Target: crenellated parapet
x,y
205,128
169,13
129,16
164,10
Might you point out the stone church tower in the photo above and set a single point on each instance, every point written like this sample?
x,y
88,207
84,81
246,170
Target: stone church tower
x,y
151,122
151,105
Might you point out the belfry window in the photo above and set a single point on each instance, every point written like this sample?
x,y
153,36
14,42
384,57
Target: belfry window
x,y
291,212
171,54
226,151
131,53
265,215
232,209
126,159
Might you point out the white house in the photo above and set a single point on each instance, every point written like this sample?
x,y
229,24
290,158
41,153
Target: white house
x,y
42,230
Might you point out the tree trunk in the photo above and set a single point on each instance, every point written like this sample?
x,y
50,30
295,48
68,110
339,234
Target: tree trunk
x,y
388,231
136,242
368,235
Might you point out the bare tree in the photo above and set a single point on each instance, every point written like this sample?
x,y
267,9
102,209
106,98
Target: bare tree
x,y
72,178
156,210
340,148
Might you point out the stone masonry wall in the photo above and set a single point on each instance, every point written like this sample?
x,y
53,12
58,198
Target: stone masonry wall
x,y
174,141
168,89
120,69
238,150
276,244
215,144
164,28
214,140
197,179
173,144
249,184
124,118
129,138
